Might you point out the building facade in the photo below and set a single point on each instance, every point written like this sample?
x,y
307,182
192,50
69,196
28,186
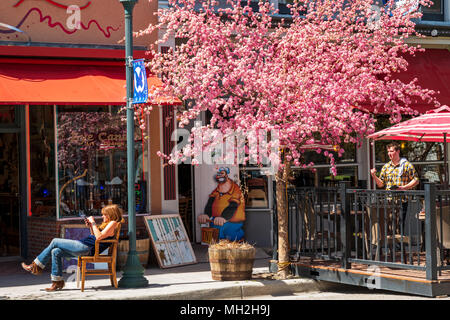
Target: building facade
x,y
62,129
63,148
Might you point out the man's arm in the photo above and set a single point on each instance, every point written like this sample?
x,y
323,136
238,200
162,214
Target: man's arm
x,y
414,182
229,211
208,207
206,216
378,181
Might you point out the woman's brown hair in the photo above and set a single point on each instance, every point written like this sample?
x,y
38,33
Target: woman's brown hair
x,y
114,213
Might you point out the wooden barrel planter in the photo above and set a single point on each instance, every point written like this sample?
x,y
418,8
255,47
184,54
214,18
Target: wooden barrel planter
x,y
231,260
142,250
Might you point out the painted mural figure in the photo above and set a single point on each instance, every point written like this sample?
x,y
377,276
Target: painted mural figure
x,y
225,209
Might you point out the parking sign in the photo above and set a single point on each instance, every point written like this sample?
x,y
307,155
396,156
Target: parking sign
x,y
140,90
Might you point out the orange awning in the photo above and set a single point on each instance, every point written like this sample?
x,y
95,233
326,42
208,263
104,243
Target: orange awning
x,y
72,83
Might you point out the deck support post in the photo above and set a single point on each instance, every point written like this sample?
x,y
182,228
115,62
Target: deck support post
x,y
430,231
345,225
273,267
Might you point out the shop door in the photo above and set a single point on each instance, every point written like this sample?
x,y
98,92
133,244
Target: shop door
x,y
185,198
9,195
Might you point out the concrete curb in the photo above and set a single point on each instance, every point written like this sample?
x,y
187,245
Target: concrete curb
x,y
219,290
239,290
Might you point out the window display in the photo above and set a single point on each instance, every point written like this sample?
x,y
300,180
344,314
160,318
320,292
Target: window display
x,y
42,161
322,177
92,160
255,188
7,115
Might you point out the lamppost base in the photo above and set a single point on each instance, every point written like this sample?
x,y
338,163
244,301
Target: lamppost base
x,y
133,273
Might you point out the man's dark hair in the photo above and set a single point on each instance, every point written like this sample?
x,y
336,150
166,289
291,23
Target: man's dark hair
x,y
393,144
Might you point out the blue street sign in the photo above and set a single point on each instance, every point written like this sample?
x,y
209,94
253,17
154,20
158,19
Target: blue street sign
x,y
140,90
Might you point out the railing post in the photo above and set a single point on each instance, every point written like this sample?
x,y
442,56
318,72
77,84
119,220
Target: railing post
x,y
430,231
273,267
345,224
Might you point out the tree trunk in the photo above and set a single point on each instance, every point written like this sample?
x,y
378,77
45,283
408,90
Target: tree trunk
x,y
282,210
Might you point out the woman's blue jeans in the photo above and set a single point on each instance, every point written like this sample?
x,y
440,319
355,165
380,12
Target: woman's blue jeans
x,y
59,249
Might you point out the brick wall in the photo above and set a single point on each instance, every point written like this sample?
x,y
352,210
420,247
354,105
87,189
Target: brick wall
x,y
41,231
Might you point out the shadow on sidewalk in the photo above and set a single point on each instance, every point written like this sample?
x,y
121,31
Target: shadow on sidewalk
x,y
12,274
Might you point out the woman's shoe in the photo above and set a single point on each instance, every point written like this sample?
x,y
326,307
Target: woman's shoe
x,y
33,268
56,286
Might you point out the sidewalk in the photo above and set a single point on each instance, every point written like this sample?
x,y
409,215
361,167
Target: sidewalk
x,y
190,282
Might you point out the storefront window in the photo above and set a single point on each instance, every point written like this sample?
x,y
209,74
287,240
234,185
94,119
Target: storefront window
x,y
92,160
322,177
428,172
42,161
413,151
434,12
7,115
349,155
283,8
256,187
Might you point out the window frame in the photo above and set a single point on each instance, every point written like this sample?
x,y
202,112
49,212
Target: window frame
x,y
269,189
433,15
146,152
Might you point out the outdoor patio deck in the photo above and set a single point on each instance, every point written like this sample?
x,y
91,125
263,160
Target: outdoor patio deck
x,y
356,236
374,277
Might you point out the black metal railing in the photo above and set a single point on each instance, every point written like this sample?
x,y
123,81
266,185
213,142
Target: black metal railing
x,y
441,203
313,222
385,227
396,229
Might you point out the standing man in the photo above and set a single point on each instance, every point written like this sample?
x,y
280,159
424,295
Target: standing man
x,y
397,174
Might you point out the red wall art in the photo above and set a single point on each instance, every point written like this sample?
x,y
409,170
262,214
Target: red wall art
x,y
56,21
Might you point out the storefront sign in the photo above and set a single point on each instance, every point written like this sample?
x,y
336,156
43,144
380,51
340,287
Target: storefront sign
x,y
104,138
112,139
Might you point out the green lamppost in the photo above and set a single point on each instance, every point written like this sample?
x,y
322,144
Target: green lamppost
x,y
133,275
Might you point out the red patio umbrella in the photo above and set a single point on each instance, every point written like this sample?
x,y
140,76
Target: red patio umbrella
x,y
433,126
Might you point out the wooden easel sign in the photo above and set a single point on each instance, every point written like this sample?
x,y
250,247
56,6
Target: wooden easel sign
x,y
169,240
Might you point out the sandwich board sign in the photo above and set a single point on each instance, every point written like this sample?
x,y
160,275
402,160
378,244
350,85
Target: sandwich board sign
x,y
169,240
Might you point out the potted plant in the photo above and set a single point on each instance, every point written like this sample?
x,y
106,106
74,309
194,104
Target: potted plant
x,y
231,260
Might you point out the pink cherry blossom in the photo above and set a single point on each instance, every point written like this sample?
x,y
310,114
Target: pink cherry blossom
x,y
307,79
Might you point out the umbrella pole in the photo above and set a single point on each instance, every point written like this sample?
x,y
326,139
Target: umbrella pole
x,y
445,160
371,160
